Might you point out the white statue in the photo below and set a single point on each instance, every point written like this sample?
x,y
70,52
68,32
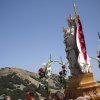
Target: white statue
x,y
74,56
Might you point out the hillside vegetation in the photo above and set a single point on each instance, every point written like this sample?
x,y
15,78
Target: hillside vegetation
x,y
16,82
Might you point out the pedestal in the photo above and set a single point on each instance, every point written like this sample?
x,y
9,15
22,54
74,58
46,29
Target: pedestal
x,y
83,85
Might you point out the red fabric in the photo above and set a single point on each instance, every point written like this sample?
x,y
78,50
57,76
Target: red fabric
x,y
29,97
81,39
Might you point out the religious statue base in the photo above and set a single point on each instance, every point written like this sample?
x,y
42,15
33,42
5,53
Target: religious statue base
x,y
83,85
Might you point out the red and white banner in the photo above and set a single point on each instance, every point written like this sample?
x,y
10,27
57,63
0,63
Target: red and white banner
x,y
83,57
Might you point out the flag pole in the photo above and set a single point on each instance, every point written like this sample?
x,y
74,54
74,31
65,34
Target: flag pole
x,y
76,14
75,9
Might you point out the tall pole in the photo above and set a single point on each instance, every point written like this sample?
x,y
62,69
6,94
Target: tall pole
x,y
75,9
76,14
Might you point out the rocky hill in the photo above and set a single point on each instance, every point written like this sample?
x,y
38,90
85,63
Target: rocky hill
x,y
15,82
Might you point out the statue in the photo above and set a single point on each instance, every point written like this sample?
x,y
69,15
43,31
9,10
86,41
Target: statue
x,y
75,47
71,48
81,82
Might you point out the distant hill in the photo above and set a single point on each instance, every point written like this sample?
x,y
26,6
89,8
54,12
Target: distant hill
x,y
15,82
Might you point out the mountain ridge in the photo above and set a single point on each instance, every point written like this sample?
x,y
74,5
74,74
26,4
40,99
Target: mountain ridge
x,y
14,80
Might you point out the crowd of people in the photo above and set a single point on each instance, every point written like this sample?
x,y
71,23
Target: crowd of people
x,y
28,96
58,96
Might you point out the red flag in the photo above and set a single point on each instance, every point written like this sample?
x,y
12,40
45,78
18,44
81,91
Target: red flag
x,y
81,42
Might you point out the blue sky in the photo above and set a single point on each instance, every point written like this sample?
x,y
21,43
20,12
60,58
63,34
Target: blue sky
x,y
31,30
